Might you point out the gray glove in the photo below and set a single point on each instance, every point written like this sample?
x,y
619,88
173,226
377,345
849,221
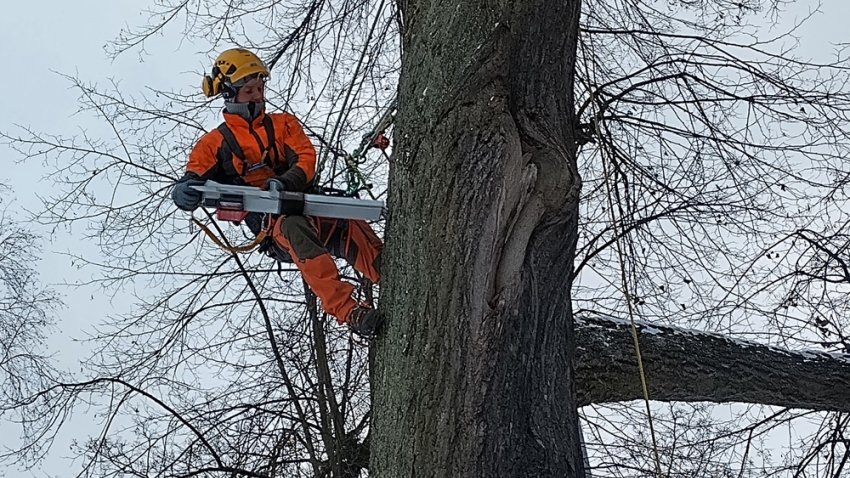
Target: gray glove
x,y
184,196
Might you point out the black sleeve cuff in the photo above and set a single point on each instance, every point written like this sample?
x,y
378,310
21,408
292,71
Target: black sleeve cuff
x,y
294,180
187,176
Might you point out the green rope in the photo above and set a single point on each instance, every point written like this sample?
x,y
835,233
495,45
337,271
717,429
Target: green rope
x,y
355,180
354,177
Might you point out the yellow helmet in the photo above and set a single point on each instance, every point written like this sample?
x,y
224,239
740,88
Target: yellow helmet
x,y
229,68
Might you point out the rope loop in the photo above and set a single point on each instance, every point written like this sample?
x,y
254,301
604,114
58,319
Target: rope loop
x,y
247,247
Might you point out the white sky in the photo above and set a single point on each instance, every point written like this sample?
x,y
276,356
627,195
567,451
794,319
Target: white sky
x,y
41,37
44,40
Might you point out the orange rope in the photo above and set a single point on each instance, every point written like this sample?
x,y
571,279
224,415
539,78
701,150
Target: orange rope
x,y
234,249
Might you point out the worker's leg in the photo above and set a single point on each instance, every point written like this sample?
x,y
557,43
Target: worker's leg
x,y
363,249
296,235
355,242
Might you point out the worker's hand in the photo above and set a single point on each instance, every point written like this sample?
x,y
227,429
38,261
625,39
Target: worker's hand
x,y
184,196
274,184
254,221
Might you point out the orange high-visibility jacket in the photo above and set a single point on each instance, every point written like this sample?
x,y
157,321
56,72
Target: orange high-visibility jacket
x,y
239,152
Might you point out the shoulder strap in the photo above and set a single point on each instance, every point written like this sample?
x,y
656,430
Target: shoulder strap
x,y
230,141
268,124
229,147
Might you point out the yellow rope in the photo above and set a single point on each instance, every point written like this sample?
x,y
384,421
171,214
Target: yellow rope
x,y
624,282
234,249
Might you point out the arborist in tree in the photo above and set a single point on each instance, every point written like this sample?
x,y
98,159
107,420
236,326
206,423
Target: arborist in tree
x,y
254,148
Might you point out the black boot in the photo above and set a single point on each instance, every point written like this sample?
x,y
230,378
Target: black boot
x,y
365,321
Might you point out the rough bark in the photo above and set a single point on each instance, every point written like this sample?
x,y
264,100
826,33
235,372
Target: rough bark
x,y
687,365
474,373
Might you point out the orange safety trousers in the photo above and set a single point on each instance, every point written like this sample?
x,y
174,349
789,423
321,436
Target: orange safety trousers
x,y
311,240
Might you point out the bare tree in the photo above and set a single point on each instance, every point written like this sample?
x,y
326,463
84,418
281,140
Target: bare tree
x,y
667,162
26,317
723,151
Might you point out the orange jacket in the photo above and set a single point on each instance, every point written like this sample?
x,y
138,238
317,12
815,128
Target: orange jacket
x,y
249,157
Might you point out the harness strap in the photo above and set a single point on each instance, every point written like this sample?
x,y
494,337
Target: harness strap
x,y
230,146
272,146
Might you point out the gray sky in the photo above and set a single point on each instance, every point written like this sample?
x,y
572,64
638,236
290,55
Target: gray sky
x,y
43,38
50,38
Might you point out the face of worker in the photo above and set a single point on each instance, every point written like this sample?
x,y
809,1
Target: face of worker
x,y
253,90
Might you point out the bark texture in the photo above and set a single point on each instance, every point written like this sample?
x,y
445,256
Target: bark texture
x,y
690,366
474,374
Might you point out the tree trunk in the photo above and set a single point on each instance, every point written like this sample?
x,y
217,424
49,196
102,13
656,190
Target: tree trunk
x,y
689,366
474,373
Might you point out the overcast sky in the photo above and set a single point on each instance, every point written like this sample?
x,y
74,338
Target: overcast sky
x,y
45,38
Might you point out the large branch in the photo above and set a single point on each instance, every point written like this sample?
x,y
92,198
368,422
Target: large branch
x,y
689,366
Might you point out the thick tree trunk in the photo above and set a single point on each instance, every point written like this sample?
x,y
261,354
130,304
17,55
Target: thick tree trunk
x,y
474,373
688,366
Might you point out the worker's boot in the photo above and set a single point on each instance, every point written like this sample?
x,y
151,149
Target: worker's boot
x,y
365,321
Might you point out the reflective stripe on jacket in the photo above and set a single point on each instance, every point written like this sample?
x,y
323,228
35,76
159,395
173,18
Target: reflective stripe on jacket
x,y
291,157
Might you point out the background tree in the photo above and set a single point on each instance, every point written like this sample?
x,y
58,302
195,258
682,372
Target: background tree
x,y
709,151
26,318
726,150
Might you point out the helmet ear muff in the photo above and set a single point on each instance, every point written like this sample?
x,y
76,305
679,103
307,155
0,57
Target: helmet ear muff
x,y
212,83
208,86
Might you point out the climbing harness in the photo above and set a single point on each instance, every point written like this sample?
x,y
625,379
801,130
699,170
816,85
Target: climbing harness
x,y
230,146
